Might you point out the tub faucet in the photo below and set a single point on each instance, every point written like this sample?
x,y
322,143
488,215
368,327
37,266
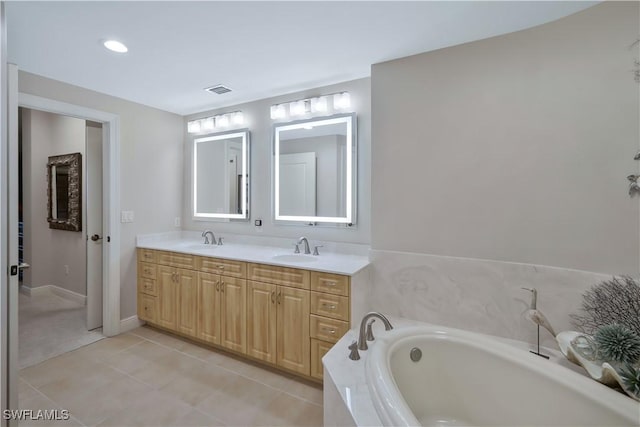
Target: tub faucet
x,y
206,234
304,240
362,338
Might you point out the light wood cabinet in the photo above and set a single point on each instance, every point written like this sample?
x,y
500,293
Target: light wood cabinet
x,y
278,325
221,308
261,321
209,307
233,302
318,350
177,290
286,317
293,329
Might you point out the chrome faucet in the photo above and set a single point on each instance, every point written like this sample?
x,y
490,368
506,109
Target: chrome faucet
x,y
206,234
362,338
304,240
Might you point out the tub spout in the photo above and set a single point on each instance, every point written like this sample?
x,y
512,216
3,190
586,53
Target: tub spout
x,y
362,337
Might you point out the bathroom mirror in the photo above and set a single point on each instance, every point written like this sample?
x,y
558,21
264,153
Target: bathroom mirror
x,y
315,170
221,176
64,192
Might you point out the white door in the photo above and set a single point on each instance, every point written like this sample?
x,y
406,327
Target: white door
x,y
94,225
298,184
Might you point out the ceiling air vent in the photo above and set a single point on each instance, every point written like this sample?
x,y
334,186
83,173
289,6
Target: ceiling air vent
x,y
219,89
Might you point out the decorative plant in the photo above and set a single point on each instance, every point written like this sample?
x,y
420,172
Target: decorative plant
x,y
617,343
631,378
615,301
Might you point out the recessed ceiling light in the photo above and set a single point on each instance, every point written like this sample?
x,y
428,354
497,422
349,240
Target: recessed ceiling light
x,y
115,46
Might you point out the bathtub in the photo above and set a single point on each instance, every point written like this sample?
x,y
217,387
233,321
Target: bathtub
x,y
470,379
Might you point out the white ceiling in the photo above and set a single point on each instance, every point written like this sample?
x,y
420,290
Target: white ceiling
x,y
258,49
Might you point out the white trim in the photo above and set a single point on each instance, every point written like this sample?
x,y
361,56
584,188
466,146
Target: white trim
x,y
111,198
55,290
130,323
68,295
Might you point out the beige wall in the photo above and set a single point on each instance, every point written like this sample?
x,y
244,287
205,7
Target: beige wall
x,y
257,119
514,148
48,251
151,165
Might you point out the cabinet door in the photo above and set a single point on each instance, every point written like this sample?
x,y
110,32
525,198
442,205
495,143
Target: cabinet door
x,y
147,308
233,294
293,329
261,321
209,307
187,301
318,350
167,297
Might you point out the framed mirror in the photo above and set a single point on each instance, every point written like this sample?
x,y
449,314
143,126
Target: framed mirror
x,y
315,170
221,176
64,191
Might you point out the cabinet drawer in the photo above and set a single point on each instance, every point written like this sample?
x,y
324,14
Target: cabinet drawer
x,y
318,350
327,329
224,267
331,283
328,305
146,255
147,308
175,259
279,275
147,286
147,270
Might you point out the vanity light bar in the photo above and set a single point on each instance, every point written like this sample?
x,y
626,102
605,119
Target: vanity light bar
x,y
317,105
221,121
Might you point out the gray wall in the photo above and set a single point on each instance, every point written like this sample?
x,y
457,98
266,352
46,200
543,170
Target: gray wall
x,y
151,163
513,148
48,251
257,119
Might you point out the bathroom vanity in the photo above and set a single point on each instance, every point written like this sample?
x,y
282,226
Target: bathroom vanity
x,y
250,300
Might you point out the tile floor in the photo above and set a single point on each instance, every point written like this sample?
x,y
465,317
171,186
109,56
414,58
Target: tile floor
x,y
149,378
49,325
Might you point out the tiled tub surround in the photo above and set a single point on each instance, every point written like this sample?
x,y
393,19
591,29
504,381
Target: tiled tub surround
x,y
475,295
239,298
347,398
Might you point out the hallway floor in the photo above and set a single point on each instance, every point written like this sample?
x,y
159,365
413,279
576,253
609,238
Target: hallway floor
x,y
149,378
49,325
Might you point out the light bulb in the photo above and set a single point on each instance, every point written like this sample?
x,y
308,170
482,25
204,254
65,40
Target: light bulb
x,y
115,46
208,124
238,118
193,126
341,101
319,105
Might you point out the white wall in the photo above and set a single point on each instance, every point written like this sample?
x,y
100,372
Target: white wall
x,y
47,250
514,148
257,119
151,162
496,162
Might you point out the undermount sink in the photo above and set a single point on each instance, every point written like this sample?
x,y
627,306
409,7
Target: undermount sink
x,y
294,258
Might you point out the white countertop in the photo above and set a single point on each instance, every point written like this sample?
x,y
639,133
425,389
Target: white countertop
x,y
330,262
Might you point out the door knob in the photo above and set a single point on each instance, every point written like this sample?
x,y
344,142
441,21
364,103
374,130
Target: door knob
x,y
96,237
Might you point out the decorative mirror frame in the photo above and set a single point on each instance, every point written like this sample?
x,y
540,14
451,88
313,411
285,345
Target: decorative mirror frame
x,y
245,182
350,119
74,192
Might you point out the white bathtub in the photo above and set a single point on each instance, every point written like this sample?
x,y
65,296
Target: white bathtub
x,y
469,379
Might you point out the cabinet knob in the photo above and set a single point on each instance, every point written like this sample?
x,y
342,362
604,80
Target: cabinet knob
x,y
329,306
222,286
329,330
218,285
273,297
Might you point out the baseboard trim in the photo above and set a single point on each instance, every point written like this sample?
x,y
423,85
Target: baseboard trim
x,y
56,290
130,323
67,294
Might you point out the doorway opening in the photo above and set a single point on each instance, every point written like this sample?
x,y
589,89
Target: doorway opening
x,y
60,301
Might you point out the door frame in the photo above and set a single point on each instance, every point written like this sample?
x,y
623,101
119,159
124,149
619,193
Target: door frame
x,y
110,198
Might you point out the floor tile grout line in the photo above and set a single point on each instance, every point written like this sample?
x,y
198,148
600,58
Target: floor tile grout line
x,y
53,401
247,376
